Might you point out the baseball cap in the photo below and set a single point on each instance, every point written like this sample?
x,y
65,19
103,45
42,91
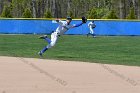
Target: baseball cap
x,y
69,18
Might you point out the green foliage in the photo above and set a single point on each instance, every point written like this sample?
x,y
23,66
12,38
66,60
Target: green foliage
x,y
96,13
131,15
6,12
92,14
111,15
48,14
70,13
77,8
101,12
18,7
27,13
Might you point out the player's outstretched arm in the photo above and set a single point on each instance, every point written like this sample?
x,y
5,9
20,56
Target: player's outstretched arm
x,y
84,20
59,21
77,25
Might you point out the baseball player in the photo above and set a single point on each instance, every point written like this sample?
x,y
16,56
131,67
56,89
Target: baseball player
x,y
91,26
61,29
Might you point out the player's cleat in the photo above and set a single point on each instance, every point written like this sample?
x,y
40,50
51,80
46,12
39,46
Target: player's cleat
x,y
94,36
43,37
88,34
40,54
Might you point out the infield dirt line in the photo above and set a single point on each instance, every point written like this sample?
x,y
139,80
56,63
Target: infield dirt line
x,y
30,75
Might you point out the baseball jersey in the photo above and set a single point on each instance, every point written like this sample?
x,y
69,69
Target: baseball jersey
x,y
63,27
91,24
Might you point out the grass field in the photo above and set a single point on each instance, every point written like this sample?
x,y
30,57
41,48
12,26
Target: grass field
x,y
123,50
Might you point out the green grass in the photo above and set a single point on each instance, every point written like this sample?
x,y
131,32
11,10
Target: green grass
x,y
123,50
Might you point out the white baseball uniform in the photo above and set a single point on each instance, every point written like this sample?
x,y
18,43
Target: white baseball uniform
x,y
91,25
61,29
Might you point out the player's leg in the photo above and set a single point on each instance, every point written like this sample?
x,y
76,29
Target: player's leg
x,y
94,35
54,37
42,51
92,32
51,43
45,37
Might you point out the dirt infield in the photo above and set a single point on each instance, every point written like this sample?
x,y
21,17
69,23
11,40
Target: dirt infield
x,y
29,75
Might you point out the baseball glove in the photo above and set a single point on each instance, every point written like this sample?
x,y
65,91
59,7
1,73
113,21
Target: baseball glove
x,y
84,20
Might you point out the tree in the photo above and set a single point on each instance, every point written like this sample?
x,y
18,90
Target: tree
x,y
122,9
92,14
136,4
78,8
112,15
48,14
6,12
34,8
70,13
18,7
54,8
138,12
1,5
131,15
27,13
75,8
